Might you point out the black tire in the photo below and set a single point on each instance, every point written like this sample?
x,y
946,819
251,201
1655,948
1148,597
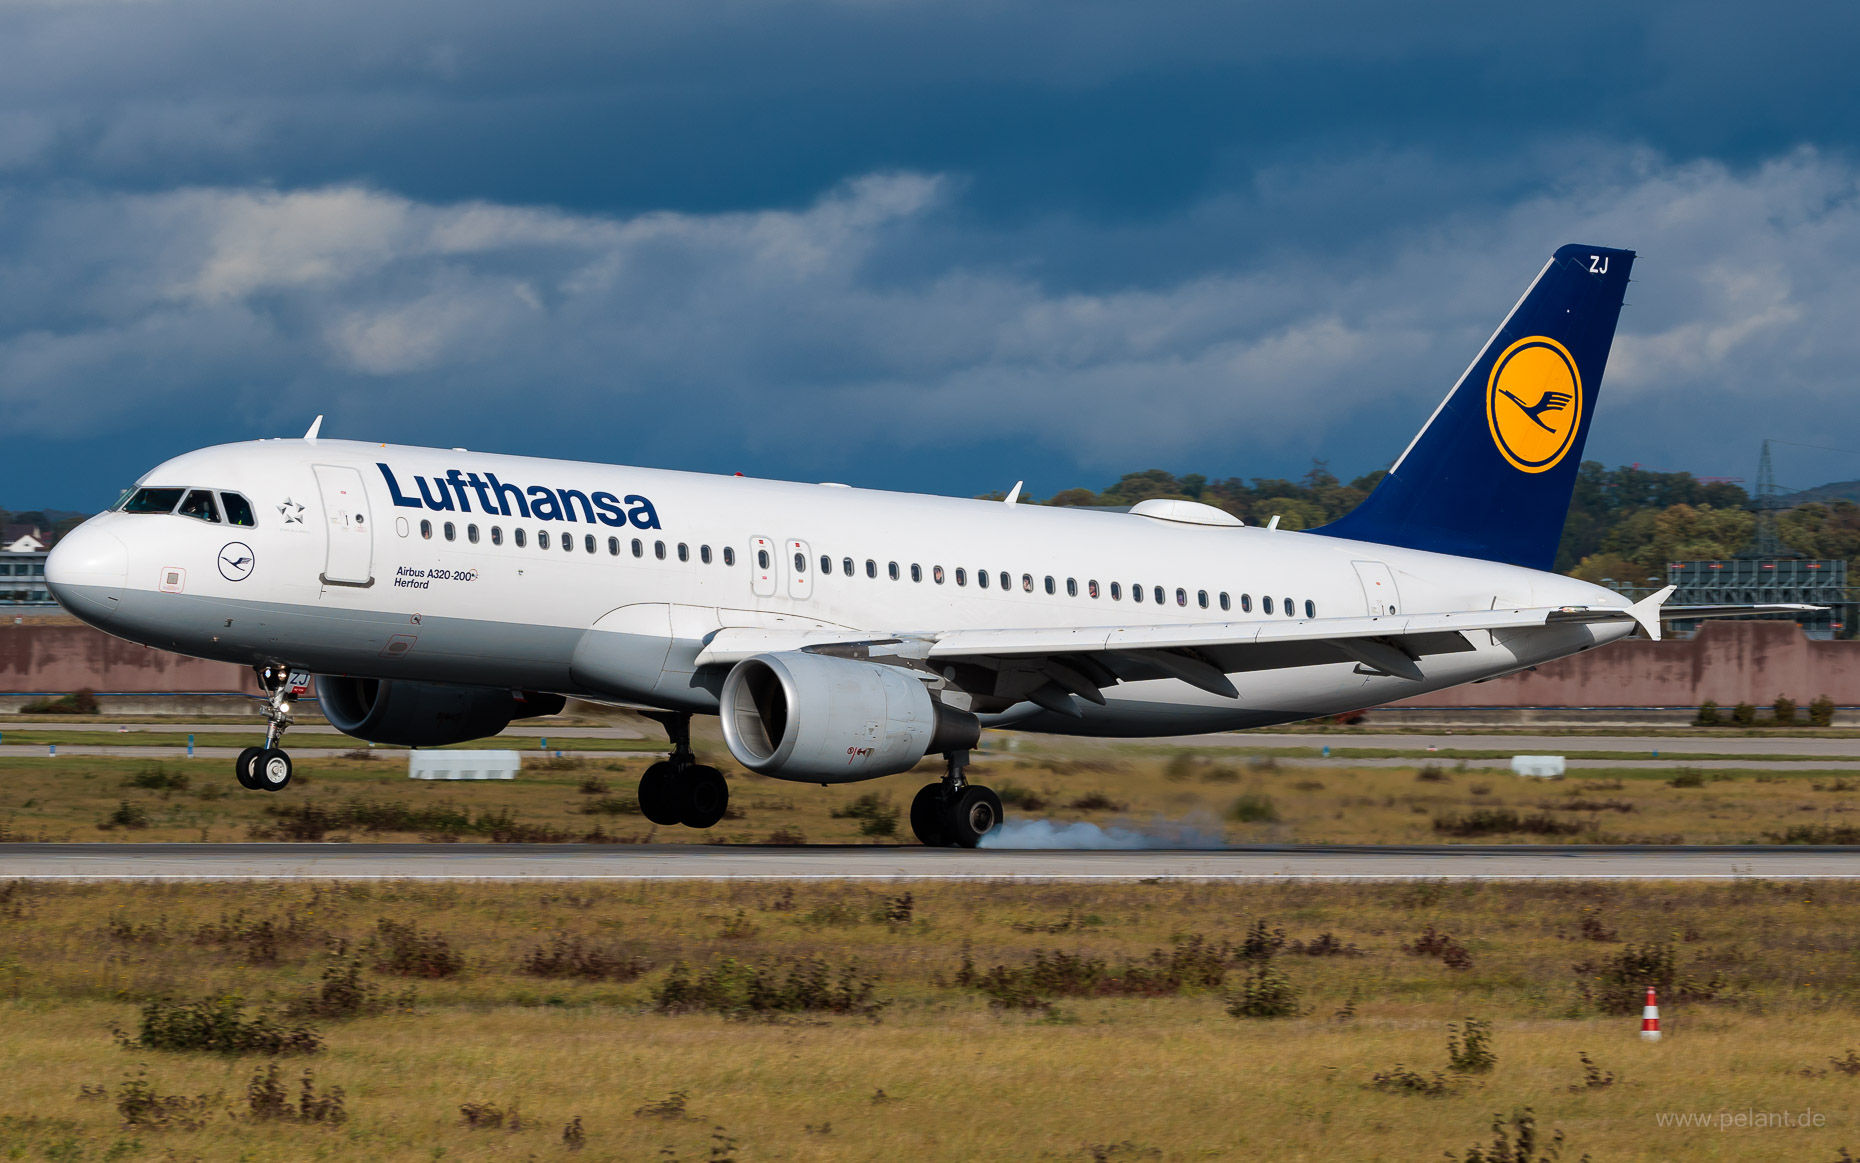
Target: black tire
x,y
927,817
658,794
271,771
706,797
976,812
243,767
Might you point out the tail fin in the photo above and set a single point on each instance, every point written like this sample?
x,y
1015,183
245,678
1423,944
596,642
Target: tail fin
x,y
1490,476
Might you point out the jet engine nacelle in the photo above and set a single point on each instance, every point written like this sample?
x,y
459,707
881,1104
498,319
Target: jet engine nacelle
x,y
816,718
425,714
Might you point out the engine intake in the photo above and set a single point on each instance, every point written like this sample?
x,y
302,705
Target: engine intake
x,y
425,714
820,719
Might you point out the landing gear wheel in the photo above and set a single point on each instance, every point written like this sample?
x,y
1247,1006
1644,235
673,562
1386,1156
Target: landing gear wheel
x,y
272,769
243,767
927,817
706,797
659,800
975,813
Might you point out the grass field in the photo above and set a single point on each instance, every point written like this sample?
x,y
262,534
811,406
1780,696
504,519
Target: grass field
x,y
1222,796
950,1022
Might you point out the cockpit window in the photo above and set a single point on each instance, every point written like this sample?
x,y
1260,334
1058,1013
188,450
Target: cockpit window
x,y
200,505
153,501
238,509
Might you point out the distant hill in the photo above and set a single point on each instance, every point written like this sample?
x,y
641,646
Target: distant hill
x,y
1827,494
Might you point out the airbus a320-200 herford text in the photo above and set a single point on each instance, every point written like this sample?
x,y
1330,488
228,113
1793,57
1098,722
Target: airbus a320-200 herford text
x,y
844,634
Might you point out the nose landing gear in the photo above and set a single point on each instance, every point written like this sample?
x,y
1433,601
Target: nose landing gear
x,y
680,790
955,813
268,768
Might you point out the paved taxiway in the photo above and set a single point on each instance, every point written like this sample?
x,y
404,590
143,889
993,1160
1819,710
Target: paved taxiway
x,y
690,862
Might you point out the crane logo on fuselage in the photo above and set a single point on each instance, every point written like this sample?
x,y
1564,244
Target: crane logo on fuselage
x,y
236,561
456,490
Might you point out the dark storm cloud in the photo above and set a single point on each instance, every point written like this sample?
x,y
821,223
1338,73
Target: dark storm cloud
x,y
1001,238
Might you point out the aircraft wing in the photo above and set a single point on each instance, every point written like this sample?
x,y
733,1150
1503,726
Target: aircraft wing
x,y
1051,663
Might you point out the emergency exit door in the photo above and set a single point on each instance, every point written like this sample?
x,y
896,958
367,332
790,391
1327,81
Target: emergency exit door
x,y
349,560
1378,587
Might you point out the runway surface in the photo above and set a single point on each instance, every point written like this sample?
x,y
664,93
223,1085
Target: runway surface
x,y
690,862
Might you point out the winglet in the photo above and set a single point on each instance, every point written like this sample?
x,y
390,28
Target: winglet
x,y
1646,612
316,426
1014,493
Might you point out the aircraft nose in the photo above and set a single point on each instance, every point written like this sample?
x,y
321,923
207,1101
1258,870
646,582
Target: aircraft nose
x,y
87,571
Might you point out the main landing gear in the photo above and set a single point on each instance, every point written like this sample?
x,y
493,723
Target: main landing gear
x,y
955,813
680,790
268,768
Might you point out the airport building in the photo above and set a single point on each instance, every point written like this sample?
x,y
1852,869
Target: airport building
x,y
23,550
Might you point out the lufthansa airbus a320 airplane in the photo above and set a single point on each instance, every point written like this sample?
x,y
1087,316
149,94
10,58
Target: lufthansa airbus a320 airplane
x,y
844,634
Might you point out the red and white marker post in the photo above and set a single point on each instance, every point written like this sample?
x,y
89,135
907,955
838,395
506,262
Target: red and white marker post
x,y
1650,1018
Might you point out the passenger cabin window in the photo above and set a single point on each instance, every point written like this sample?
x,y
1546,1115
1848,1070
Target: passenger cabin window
x,y
1265,604
981,578
1026,583
1157,593
1225,603
1246,603
729,555
471,534
238,510
684,552
704,554
1201,598
613,547
1117,592
917,572
1136,592
936,574
639,548
1291,609
962,576
452,531
1181,597
846,566
871,568
892,568
497,535
516,535
153,501
658,550
1049,583
1091,587
1072,587
826,564
542,539
426,530
1007,583
1310,608
568,543
201,506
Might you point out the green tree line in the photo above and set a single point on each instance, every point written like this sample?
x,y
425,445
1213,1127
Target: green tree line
x,y
1624,523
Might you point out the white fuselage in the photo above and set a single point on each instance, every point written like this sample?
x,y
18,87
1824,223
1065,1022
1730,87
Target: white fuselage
x,y
346,577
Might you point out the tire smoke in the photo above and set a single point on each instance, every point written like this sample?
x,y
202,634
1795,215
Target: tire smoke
x,y
1197,830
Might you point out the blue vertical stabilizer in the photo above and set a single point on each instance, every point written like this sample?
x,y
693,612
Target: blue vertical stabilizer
x,y
1491,473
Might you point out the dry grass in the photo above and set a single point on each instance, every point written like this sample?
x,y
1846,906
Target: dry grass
x,y
942,1074
1248,799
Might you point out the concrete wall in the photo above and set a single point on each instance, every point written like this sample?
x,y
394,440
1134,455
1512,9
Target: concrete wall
x,y
1726,662
1729,662
43,656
